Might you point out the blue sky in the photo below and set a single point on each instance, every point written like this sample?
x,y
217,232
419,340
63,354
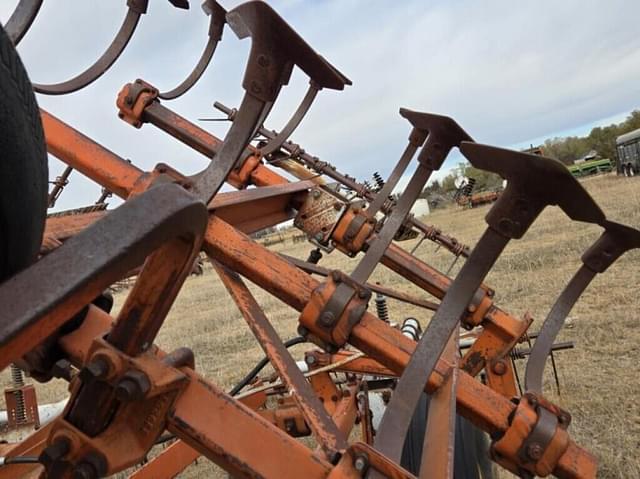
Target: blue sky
x,y
511,73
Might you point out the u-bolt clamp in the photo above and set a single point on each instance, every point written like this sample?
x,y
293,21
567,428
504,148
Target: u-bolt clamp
x,y
275,49
535,439
334,308
533,182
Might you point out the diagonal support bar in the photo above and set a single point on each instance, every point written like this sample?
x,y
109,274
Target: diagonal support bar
x,y
326,432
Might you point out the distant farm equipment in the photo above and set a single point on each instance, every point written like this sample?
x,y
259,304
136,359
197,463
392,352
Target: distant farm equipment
x,y
592,167
628,148
465,197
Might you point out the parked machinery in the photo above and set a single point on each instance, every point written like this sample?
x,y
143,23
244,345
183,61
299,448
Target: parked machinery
x,y
127,395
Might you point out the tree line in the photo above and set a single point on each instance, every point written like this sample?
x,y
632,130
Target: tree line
x,y
602,139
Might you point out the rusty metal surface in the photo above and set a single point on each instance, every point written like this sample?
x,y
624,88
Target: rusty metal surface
x,y
295,151
319,214
58,185
21,19
63,282
439,439
391,225
275,49
278,277
229,434
416,140
333,313
275,143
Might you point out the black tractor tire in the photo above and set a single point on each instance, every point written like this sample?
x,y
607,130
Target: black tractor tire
x,y
23,166
470,452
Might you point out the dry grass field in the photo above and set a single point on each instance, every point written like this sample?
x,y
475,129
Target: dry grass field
x,y
599,377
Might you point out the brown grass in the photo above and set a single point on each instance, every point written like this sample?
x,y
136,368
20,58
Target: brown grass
x,y
599,377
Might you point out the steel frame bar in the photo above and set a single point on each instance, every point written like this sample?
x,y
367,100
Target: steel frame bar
x,y
482,406
212,422
168,212
439,438
394,257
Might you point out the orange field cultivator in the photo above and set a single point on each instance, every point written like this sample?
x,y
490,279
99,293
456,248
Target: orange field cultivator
x,y
127,395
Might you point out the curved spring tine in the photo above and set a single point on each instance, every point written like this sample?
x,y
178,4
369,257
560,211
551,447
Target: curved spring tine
x,y
21,19
276,142
534,182
108,58
216,26
613,243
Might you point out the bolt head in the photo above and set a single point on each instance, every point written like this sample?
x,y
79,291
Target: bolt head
x,y
327,318
263,61
55,452
310,359
132,387
534,451
256,88
96,369
499,368
360,464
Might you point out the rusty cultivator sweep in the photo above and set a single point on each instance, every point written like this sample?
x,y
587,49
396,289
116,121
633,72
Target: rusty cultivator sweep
x,y
127,395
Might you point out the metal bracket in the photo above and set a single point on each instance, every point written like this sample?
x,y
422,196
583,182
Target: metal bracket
x,y
535,440
334,308
133,99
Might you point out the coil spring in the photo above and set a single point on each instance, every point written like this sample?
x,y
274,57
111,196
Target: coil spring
x,y
468,188
379,181
411,328
518,353
381,307
18,381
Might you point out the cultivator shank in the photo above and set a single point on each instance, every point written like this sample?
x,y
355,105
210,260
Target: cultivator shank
x,y
127,395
